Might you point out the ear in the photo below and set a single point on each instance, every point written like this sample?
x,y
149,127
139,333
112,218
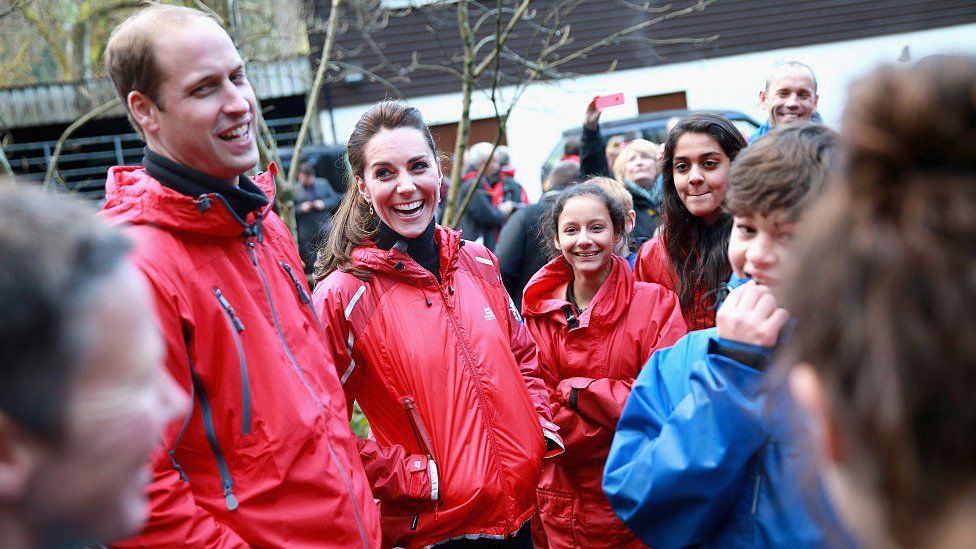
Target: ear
x,y
18,459
762,100
144,111
361,185
630,221
808,392
555,242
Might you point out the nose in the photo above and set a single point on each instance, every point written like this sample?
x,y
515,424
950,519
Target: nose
x,y
695,174
236,99
584,239
792,101
405,184
761,252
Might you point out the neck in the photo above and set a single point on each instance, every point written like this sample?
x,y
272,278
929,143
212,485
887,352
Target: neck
x,y
423,248
586,285
712,217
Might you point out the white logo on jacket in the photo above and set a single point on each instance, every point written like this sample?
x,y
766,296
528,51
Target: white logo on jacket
x,y
489,315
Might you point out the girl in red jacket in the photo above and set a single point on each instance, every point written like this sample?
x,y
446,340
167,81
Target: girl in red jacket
x,y
688,255
426,340
594,327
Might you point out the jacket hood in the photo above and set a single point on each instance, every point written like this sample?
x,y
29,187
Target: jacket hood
x,y
545,294
399,265
133,196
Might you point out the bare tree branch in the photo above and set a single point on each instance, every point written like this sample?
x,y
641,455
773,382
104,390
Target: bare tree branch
x,y
52,166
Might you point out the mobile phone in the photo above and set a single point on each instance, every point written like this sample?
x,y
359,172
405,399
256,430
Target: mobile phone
x,y
603,101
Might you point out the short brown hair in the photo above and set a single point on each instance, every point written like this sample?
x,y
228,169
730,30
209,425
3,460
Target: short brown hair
x,y
782,171
129,56
615,189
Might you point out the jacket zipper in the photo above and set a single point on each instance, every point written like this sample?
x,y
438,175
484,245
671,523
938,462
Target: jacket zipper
x,y
423,441
238,327
208,426
249,246
304,297
186,423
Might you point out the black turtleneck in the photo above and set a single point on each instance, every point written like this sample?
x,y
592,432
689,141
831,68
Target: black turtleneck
x,y
422,249
242,199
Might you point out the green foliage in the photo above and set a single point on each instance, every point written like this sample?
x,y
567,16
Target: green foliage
x,y
359,424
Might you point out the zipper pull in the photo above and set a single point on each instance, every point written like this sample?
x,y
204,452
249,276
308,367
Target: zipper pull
x,y
230,498
302,296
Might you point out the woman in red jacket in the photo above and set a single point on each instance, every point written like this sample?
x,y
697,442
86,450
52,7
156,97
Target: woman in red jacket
x,y
594,327
426,340
688,255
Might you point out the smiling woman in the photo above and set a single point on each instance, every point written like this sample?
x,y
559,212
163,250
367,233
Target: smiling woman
x,y
689,253
427,341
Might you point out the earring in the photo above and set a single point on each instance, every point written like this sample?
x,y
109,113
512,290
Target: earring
x,y
370,204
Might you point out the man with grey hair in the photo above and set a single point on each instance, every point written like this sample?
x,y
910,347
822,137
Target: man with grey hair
x,y
84,397
789,96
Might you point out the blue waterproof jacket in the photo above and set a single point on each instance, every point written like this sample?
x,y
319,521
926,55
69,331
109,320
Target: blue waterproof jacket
x,y
705,454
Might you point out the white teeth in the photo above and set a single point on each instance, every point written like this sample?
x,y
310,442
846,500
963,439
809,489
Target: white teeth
x,y
408,207
236,133
586,254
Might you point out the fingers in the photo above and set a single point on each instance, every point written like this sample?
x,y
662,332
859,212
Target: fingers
x,y
751,315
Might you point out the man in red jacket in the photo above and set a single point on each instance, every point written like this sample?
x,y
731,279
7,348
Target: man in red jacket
x,y
263,456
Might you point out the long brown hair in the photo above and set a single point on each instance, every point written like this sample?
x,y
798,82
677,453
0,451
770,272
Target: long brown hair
x,y
355,223
697,250
884,289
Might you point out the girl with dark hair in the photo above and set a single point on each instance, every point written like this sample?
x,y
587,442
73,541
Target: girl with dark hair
x,y
594,327
689,253
887,372
426,340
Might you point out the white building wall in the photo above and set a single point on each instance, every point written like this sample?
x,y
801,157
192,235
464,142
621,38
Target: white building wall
x,y
547,109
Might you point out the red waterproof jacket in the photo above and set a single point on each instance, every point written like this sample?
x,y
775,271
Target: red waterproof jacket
x,y
264,456
589,364
654,265
448,379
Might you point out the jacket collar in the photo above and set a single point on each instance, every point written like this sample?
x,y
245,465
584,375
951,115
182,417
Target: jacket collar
x,y
133,196
545,294
398,264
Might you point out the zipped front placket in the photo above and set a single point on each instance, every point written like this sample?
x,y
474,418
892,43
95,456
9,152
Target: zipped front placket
x,y
469,362
252,254
237,327
208,426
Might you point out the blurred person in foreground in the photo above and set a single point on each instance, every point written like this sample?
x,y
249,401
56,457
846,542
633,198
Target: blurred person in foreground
x,y
887,371
265,456
83,395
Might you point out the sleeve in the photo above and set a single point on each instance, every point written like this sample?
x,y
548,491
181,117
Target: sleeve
x,y
394,473
602,400
653,265
526,355
674,470
175,519
593,154
331,198
509,252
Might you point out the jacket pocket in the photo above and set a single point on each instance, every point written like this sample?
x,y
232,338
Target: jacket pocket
x,y
237,327
426,447
226,482
557,516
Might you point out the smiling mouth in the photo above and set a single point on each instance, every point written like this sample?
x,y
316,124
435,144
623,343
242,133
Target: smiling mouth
x,y
586,254
237,135
410,208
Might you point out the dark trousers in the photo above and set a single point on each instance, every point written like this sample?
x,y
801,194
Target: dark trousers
x,y
521,540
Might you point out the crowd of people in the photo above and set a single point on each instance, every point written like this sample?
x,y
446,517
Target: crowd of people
x,y
720,340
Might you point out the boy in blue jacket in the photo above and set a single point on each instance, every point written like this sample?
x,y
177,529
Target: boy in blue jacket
x,y
706,453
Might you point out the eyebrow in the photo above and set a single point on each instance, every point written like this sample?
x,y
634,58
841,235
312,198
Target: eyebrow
x,y
209,76
413,159
706,153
